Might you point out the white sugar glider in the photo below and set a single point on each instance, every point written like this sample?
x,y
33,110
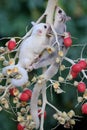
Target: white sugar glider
x,y
49,59
30,50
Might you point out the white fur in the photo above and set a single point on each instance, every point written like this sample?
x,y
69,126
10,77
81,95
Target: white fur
x,y
22,72
33,105
30,49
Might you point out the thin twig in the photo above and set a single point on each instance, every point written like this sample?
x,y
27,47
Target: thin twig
x,y
5,92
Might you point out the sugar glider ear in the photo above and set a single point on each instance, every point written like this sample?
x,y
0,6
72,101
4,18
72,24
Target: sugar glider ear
x,y
68,18
33,23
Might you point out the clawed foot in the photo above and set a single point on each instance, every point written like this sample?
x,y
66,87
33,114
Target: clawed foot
x,y
35,66
30,68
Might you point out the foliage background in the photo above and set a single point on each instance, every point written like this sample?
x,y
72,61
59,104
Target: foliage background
x,y
16,15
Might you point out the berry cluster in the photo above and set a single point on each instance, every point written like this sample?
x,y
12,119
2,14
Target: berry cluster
x,y
24,96
21,99
78,67
81,86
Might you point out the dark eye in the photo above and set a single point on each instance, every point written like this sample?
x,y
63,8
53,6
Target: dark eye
x,y
45,26
59,11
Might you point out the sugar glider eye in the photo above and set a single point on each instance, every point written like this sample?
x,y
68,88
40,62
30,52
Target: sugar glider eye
x,y
45,26
59,11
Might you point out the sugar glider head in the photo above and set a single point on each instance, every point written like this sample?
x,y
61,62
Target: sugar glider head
x,y
41,29
60,15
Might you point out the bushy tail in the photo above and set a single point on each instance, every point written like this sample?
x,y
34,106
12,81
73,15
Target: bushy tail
x,y
33,105
17,82
50,72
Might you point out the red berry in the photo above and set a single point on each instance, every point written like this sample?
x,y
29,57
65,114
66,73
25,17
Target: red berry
x,y
76,68
28,92
74,74
83,64
81,87
84,108
24,97
20,127
45,114
11,44
13,91
67,40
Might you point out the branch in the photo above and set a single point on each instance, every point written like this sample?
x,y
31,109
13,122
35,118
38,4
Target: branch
x,y
50,11
6,89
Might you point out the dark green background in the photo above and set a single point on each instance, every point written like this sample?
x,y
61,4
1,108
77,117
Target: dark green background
x,y
16,15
